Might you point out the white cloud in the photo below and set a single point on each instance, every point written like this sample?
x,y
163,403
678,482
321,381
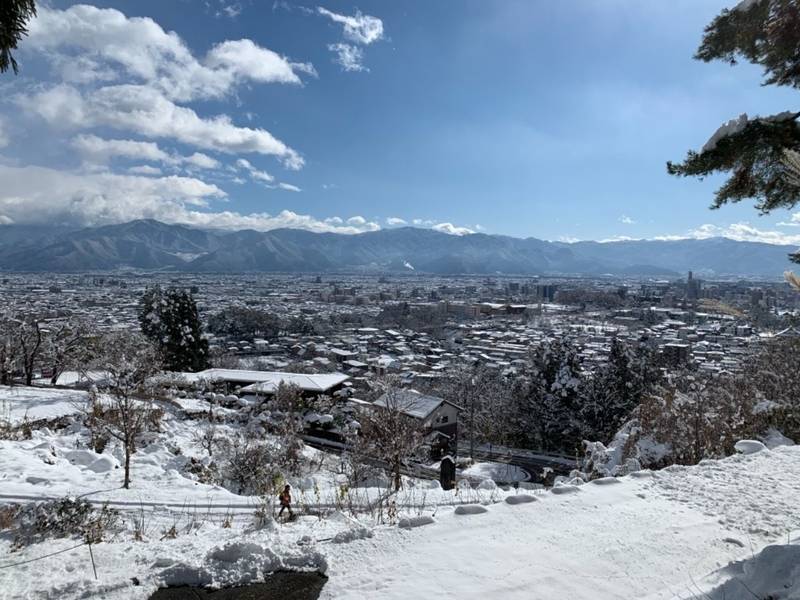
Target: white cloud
x,y
203,161
133,76
101,150
104,198
255,174
359,28
144,170
149,113
451,229
626,220
108,41
395,221
743,232
289,187
348,57
422,222
95,198
356,220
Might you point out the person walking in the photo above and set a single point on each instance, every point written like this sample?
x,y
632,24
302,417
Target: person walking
x,y
285,498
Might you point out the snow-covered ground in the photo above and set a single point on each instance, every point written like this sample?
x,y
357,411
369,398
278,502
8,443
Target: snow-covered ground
x,y
18,402
668,534
683,532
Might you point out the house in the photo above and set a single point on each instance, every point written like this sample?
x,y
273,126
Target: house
x,y
438,417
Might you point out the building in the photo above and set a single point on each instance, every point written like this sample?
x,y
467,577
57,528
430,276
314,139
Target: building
x,y
438,417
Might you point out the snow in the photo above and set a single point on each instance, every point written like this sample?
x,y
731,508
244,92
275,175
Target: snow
x,y
749,446
656,536
680,532
18,403
774,573
263,381
745,5
495,471
735,126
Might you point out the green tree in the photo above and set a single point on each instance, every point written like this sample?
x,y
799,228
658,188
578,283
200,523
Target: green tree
x,y
14,17
752,151
169,318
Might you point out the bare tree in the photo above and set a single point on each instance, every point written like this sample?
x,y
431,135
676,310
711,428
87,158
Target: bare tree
x,y
67,345
287,402
391,432
9,349
30,337
129,361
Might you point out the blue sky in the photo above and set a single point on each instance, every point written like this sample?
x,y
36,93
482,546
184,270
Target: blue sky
x,y
519,117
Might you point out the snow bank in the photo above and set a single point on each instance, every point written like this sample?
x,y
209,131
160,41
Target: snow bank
x,y
520,499
420,521
773,573
238,563
471,509
749,446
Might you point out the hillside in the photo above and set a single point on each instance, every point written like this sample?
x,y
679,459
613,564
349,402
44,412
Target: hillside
x,y
151,245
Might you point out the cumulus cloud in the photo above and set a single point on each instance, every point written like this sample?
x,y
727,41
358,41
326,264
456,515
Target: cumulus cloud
x,y
626,220
147,112
358,28
99,150
144,170
107,40
742,232
395,221
104,198
95,198
136,77
451,229
203,161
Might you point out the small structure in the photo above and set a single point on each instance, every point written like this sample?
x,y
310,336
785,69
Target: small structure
x,y
438,417
266,383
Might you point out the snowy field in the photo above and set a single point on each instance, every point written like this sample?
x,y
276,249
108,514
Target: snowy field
x,y
684,532
18,402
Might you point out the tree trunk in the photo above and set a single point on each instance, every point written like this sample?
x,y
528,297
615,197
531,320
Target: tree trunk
x,y
127,483
397,480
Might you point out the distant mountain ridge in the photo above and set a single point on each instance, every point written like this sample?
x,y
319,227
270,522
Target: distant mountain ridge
x,y
155,246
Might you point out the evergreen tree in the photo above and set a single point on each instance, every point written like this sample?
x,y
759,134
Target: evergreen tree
x,y
548,398
616,388
14,17
752,150
169,318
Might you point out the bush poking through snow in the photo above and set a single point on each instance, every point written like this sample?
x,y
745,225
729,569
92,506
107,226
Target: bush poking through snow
x,y
65,517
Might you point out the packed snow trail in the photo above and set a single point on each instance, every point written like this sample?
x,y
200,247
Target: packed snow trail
x,y
653,536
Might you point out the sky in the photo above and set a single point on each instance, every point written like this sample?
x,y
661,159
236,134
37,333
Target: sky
x,y
528,118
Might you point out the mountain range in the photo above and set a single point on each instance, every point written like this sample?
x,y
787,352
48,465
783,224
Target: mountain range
x,y
154,246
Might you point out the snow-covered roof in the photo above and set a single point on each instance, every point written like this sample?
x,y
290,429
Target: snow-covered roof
x,y
267,382
411,402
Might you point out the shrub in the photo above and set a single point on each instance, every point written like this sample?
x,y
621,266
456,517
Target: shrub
x,y
65,517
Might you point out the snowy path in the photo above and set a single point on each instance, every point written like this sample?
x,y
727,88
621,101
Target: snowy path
x,y
648,537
